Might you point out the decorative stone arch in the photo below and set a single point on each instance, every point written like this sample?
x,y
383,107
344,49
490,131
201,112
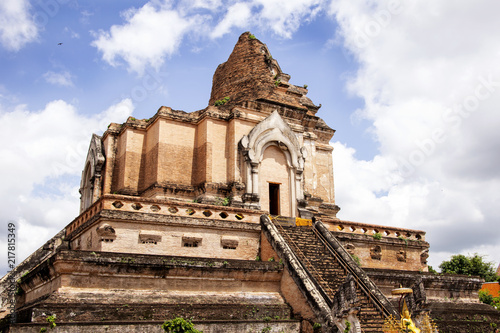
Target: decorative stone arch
x,y
272,131
90,185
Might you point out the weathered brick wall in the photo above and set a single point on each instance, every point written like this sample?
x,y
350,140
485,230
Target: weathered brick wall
x,y
245,70
151,155
451,288
168,235
387,253
128,161
176,154
148,327
318,173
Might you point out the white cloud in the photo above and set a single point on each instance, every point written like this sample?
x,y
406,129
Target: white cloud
x,y
237,15
156,30
149,34
281,17
193,5
41,163
60,79
284,17
16,25
429,75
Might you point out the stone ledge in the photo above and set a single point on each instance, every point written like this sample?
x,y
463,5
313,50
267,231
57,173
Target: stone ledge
x,y
336,225
447,288
463,317
144,261
136,313
368,239
157,209
208,326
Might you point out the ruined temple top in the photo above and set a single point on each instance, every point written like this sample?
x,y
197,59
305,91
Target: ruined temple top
x,y
251,74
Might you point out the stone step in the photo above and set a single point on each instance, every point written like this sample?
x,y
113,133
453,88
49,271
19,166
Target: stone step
x,y
328,273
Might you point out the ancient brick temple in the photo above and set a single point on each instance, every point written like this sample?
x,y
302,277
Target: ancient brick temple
x,y
227,216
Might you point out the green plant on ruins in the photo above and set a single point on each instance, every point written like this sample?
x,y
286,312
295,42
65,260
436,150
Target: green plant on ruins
x,y
222,201
377,236
179,325
356,259
222,101
347,327
52,321
403,239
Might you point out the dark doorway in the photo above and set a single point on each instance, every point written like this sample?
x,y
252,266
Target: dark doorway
x,y
274,199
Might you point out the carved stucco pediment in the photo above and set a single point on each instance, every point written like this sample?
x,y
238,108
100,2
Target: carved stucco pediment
x,y
273,129
90,182
95,159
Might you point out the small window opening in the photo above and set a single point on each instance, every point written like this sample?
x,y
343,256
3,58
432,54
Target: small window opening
x,y
191,241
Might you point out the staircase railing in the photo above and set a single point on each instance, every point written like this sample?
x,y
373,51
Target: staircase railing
x,y
350,266
309,287
321,284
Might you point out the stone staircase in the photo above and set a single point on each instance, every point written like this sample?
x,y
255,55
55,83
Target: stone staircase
x,y
328,268
328,272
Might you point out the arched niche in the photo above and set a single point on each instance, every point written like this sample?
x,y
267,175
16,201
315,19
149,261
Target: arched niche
x,y
272,133
90,185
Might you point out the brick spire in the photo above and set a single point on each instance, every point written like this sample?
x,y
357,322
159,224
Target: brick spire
x,y
250,74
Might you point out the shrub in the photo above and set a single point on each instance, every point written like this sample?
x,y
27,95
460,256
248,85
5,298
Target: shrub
x,y
179,325
470,265
487,298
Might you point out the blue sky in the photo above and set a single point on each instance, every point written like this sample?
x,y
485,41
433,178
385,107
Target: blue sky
x,y
412,89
